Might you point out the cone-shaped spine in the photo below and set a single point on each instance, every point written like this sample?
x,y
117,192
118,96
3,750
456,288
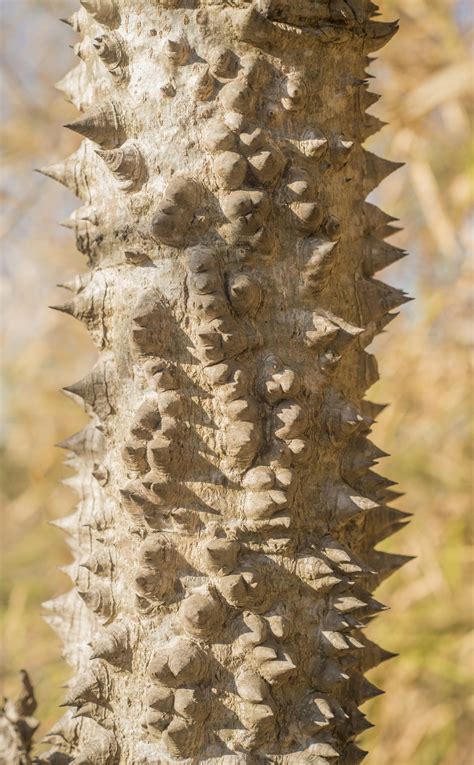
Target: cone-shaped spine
x,y
126,164
80,218
93,390
372,409
378,34
72,21
371,125
377,169
380,298
362,690
386,564
68,173
353,755
77,284
376,219
374,655
69,86
383,523
112,645
88,439
102,124
391,495
380,255
104,11
68,523
91,686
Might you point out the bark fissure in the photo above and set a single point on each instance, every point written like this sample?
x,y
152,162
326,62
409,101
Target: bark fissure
x,y
224,538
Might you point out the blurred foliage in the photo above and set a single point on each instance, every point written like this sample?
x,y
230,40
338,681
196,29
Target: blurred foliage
x,y
425,76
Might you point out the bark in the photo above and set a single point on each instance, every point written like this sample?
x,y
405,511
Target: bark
x,y
224,540
17,725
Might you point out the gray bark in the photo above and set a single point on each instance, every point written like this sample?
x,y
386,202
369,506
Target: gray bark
x,y
224,538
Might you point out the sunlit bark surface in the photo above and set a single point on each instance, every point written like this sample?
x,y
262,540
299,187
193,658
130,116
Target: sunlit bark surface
x,y
224,537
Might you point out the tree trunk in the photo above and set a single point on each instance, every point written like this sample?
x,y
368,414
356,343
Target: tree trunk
x,y
224,539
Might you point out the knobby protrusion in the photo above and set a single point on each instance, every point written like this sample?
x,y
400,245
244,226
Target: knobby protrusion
x,y
104,11
126,164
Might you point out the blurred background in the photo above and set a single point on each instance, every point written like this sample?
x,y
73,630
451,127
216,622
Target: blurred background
x,y
425,76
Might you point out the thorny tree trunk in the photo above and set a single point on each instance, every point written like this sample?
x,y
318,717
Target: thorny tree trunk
x,y
224,539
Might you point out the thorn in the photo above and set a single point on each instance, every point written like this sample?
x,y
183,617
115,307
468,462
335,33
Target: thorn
x,y
387,655
56,172
377,169
387,563
77,442
101,124
72,22
362,689
391,496
379,33
65,308
353,755
372,409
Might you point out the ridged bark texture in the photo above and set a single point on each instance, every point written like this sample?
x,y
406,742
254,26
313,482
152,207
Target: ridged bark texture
x,y
224,539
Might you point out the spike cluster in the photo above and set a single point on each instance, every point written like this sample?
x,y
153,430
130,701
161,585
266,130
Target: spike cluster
x,y
224,539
